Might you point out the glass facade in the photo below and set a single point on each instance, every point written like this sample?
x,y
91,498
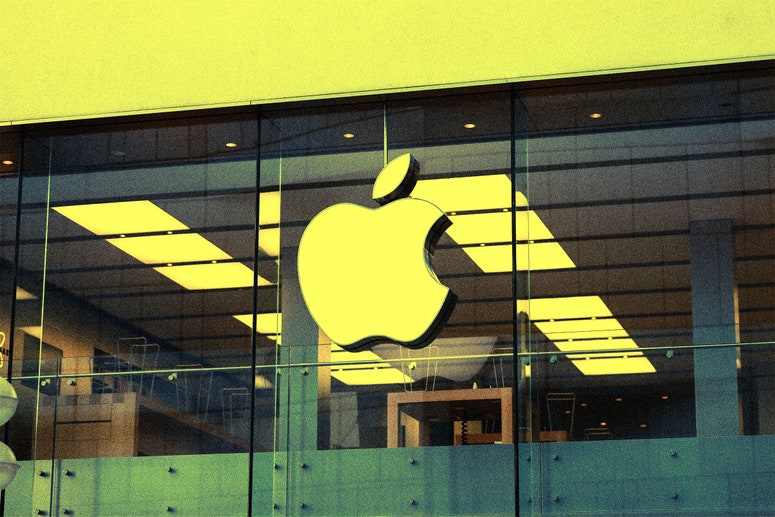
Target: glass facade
x,y
610,350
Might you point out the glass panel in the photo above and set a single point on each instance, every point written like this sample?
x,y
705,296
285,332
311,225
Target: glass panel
x,y
458,390
9,191
660,193
138,251
324,156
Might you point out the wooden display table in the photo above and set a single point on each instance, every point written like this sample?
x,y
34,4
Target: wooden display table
x,y
415,410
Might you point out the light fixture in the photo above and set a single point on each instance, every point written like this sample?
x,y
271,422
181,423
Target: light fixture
x,y
231,145
595,115
470,125
364,368
262,383
493,192
176,250
266,322
160,249
633,364
585,324
7,162
370,376
348,135
537,256
269,241
8,404
562,308
224,275
121,217
269,207
565,330
23,294
490,191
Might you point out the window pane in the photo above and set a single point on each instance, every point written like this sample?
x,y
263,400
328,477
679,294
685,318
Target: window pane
x,y
137,249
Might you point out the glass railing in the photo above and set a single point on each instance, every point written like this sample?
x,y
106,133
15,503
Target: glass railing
x,y
112,406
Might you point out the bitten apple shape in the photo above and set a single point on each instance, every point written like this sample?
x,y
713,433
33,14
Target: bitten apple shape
x,y
366,274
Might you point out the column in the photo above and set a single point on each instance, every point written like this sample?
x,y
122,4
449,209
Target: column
x,y
714,320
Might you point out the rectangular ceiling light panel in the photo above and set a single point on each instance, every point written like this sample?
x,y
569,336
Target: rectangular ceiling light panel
x,y
370,369
121,217
370,376
270,323
535,257
493,192
564,308
614,366
591,328
129,218
269,208
175,248
496,227
466,192
224,275
586,324
269,241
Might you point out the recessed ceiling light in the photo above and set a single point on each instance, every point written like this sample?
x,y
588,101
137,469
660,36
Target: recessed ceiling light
x,y
348,135
469,125
595,115
7,162
231,144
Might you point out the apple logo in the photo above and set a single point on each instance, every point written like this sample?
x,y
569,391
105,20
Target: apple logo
x,y
366,274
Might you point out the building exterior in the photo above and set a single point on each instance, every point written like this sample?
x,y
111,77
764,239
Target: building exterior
x,y
609,175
